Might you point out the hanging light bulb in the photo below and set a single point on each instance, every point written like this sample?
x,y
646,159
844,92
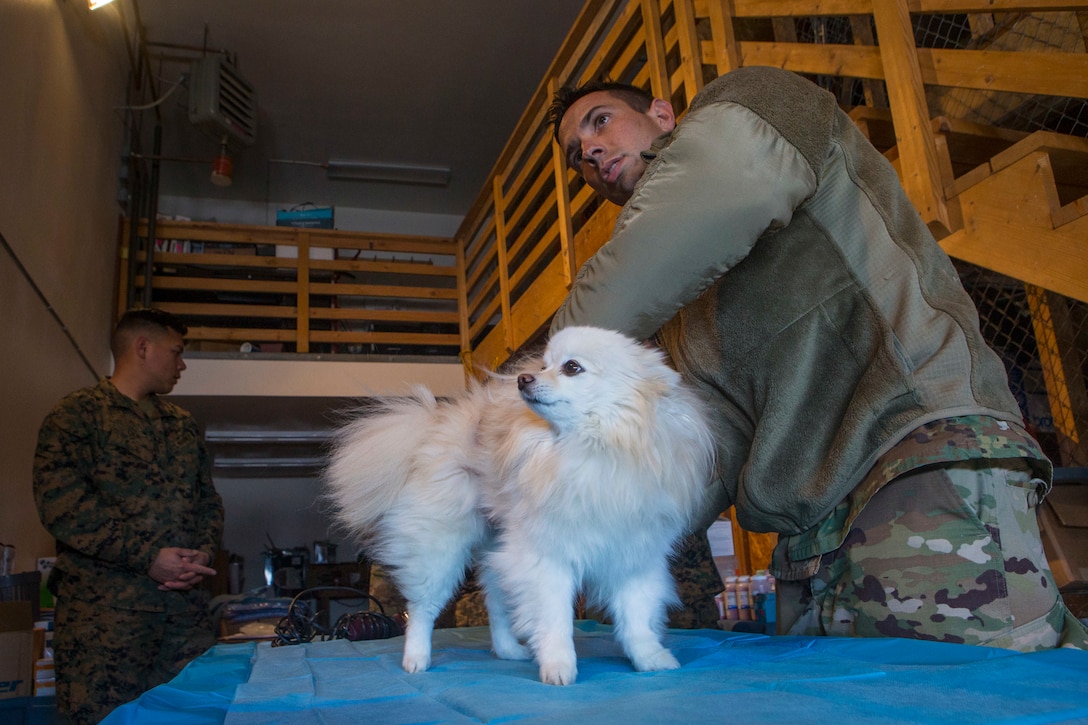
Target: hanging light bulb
x,y
222,167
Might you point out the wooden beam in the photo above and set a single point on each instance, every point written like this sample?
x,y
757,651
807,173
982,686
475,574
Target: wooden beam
x,y
984,70
370,314
385,338
1055,338
1009,228
383,290
779,8
691,56
302,322
655,49
462,314
725,50
855,61
504,263
1056,74
919,164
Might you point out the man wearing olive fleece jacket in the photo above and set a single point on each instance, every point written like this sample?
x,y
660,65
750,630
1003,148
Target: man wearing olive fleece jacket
x,y
772,252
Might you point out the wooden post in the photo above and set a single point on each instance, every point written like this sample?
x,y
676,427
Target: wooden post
x,y
302,276
504,270
562,202
655,50
464,328
723,37
691,55
863,35
919,166
1055,338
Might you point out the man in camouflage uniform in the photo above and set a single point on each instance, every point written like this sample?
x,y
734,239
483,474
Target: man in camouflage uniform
x,y
122,480
773,253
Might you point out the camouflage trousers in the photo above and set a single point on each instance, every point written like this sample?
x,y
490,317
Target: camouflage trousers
x,y
106,657
949,553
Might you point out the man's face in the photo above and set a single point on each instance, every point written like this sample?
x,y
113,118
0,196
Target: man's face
x,y
602,139
163,361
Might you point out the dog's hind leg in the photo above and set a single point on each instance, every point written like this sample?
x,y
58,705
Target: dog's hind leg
x,y
428,580
638,607
425,602
417,635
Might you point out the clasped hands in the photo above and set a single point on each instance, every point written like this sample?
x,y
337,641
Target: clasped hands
x,y
177,569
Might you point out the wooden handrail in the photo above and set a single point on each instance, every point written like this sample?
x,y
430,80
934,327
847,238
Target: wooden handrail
x,y
664,45
304,290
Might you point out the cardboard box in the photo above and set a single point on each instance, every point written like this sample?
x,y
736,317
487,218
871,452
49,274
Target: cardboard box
x,y
16,649
290,251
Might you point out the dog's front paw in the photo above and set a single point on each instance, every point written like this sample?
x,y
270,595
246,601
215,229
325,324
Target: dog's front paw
x,y
413,662
558,673
660,660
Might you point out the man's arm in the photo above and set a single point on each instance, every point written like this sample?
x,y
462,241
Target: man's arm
x,y
181,568
210,506
69,505
726,178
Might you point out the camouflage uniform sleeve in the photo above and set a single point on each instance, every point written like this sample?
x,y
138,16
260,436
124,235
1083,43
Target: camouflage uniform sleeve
x,y
69,504
210,524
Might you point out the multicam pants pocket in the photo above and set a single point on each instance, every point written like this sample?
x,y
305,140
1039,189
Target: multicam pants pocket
x,y
949,553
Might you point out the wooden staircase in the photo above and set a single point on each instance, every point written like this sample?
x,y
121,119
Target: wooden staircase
x,y
1005,200
1014,194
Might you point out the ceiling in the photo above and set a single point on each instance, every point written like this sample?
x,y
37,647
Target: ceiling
x,y
417,82
420,82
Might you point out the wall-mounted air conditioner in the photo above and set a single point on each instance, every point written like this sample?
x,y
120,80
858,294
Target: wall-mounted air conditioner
x,y
221,101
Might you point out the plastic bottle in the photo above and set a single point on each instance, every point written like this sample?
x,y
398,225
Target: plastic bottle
x,y
772,606
744,598
764,601
758,589
731,611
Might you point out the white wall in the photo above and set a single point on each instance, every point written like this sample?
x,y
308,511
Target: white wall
x,y
309,378
345,218
62,71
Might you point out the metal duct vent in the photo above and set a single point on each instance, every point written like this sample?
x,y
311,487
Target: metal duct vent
x,y
221,101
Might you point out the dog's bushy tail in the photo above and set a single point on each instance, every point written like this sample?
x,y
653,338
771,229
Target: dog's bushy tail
x,y
367,470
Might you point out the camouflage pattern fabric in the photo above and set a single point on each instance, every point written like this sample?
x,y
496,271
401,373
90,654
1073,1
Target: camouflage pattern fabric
x,y
963,438
115,481
385,591
111,656
950,553
697,583
470,610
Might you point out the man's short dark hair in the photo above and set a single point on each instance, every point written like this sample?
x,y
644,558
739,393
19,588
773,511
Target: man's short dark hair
x,y
145,320
635,97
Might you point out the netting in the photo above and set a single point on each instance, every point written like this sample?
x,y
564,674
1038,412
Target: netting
x,y
1041,336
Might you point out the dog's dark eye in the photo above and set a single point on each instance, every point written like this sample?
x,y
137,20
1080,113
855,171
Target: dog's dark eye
x,y
572,367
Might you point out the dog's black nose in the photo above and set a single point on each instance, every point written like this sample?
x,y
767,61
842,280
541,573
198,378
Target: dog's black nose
x,y
524,380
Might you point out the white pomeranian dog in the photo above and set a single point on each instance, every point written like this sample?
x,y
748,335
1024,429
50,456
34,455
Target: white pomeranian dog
x,y
579,474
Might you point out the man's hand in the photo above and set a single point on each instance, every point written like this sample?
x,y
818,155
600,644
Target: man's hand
x,y
179,569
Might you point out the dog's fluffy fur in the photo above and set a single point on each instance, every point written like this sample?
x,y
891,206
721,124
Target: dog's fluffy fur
x,y
584,481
